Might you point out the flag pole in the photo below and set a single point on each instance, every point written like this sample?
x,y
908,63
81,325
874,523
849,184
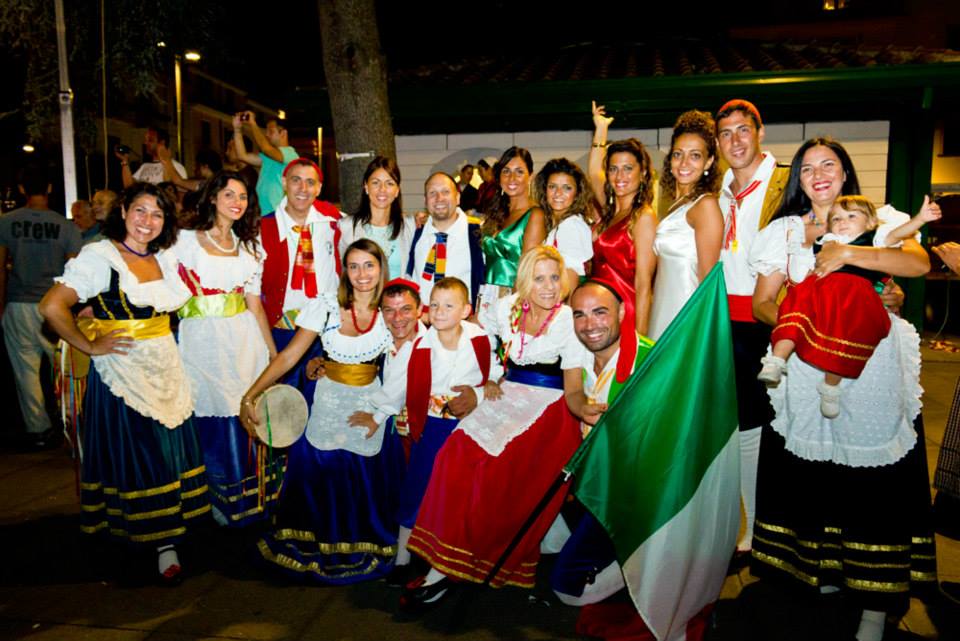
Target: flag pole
x,y
460,606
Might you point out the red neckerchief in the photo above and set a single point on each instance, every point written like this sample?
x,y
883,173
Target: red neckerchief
x,y
730,237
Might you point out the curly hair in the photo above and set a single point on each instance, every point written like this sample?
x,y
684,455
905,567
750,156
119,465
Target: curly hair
x,y
644,196
795,202
362,215
581,201
115,225
247,228
698,123
499,209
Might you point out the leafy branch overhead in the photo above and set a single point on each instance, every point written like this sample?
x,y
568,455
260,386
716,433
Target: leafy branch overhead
x,y
135,66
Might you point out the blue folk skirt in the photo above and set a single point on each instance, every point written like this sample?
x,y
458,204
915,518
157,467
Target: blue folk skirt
x,y
336,518
232,460
140,481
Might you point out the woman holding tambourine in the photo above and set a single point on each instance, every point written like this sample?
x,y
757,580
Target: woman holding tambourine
x,y
336,517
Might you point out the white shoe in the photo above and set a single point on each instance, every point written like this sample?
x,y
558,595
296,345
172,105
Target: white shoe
x,y
829,399
773,369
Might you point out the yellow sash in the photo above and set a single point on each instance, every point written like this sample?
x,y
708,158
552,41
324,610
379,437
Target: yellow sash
x,y
138,329
288,320
354,375
217,305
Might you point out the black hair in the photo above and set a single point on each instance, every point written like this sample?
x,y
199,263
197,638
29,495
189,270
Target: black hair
x,y
162,135
399,288
795,202
35,180
499,209
247,228
644,195
363,214
115,227
210,158
698,123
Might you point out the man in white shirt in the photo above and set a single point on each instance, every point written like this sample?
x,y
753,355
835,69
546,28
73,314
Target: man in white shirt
x,y
152,171
448,244
299,240
751,192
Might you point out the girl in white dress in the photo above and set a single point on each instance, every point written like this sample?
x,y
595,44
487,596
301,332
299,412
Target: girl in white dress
x,y
225,343
563,191
689,237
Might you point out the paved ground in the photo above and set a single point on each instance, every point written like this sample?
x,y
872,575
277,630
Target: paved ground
x,y
58,585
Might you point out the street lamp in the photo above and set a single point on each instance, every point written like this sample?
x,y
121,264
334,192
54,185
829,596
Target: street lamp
x,y
189,56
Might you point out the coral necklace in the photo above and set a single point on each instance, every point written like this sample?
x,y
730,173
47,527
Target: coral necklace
x,y
353,315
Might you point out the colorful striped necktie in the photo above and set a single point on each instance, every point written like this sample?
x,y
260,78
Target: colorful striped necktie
x,y
304,276
436,265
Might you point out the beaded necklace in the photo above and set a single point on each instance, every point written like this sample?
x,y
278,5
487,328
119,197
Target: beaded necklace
x,y
518,323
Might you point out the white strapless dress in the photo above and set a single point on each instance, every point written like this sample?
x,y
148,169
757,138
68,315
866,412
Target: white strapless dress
x,y
676,250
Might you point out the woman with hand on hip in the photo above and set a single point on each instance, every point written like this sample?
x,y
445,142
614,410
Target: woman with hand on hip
x,y
142,474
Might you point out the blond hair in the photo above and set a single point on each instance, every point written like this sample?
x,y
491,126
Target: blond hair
x,y
524,281
858,203
452,284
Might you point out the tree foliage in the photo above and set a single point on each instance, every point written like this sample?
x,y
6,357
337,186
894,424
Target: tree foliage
x,y
134,63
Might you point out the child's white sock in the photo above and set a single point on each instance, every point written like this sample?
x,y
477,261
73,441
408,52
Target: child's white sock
x,y
871,625
433,576
829,399
167,558
403,554
219,517
773,369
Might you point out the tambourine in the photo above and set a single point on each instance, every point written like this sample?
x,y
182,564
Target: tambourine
x,y
282,414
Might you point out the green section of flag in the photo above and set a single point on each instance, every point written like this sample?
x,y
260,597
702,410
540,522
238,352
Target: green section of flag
x,y
645,458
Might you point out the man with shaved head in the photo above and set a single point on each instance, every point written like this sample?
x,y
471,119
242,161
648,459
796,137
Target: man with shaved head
x,y
587,570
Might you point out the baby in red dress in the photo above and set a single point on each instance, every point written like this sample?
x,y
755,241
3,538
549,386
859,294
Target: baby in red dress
x,y
835,322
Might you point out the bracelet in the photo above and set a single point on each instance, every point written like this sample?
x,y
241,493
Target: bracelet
x,y
246,401
599,145
124,164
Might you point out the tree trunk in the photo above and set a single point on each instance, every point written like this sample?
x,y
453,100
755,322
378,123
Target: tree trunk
x,y
356,73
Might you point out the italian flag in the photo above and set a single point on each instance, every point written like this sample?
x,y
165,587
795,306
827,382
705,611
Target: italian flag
x,y
660,470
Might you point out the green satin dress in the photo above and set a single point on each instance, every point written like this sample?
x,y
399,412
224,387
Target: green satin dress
x,y
502,252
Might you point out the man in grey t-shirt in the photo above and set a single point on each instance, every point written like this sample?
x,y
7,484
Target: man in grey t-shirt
x,y
38,242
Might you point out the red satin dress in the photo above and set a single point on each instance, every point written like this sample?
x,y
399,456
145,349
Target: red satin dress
x,y
615,259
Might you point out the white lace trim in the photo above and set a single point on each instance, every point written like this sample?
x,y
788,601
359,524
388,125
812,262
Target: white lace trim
x,y
89,274
327,427
222,357
779,246
322,315
225,273
493,424
150,379
877,410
